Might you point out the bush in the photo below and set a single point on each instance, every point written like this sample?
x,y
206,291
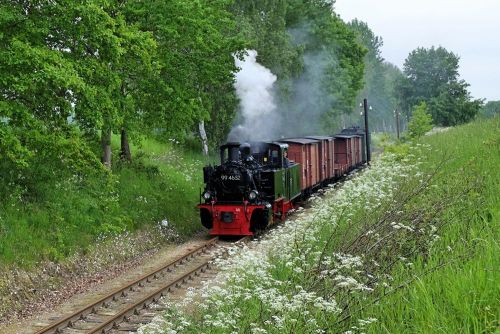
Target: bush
x,y
420,122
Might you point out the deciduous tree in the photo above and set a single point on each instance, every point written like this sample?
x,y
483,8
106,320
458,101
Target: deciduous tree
x,y
196,44
38,89
491,109
379,80
454,105
431,75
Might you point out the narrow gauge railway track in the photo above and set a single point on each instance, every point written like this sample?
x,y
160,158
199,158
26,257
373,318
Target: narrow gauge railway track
x,y
123,304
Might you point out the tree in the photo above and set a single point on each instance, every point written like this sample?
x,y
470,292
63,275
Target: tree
x,y
333,62
70,68
454,105
112,57
428,70
38,89
195,46
490,109
431,75
420,122
379,79
136,68
264,25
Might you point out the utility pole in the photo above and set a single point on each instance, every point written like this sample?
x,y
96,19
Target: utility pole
x,y
396,113
367,132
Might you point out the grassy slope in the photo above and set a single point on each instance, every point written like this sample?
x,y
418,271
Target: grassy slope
x,y
162,183
464,296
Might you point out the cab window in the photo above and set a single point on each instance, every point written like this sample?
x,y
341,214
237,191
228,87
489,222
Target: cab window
x,y
275,156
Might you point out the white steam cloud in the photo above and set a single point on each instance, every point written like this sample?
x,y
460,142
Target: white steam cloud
x,y
254,86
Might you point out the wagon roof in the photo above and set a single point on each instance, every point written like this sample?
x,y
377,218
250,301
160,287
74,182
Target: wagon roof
x,y
299,140
320,137
344,136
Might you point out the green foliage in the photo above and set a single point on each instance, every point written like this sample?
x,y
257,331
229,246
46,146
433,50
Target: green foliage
x,y
59,216
318,62
331,49
61,64
369,40
263,25
401,150
454,105
112,66
463,259
35,85
379,81
429,69
431,75
388,143
157,66
195,44
490,109
420,122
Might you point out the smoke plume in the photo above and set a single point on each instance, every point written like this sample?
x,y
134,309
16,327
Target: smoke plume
x,y
254,86
304,112
311,102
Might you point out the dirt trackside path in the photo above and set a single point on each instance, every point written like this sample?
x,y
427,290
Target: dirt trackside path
x,y
90,289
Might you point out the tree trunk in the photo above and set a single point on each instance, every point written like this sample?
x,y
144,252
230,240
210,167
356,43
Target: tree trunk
x,y
125,154
106,147
203,135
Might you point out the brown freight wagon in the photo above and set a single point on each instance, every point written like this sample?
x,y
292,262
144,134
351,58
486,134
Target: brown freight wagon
x,y
356,154
343,154
361,133
305,152
326,156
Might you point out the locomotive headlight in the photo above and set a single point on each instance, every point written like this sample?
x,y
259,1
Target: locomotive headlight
x,y
207,195
253,195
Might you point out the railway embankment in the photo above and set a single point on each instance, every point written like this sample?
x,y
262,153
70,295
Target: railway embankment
x,y
80,231
409,245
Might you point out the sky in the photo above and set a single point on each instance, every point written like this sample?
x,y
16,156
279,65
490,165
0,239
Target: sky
x,y
470,29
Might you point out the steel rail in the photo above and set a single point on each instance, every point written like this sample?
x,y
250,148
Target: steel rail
x,y
102,302
151,298
143,303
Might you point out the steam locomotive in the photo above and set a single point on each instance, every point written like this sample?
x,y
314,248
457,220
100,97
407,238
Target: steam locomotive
x,y
258,183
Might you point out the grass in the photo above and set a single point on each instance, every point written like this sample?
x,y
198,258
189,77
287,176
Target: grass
x,y
162,183
409,246
464,295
